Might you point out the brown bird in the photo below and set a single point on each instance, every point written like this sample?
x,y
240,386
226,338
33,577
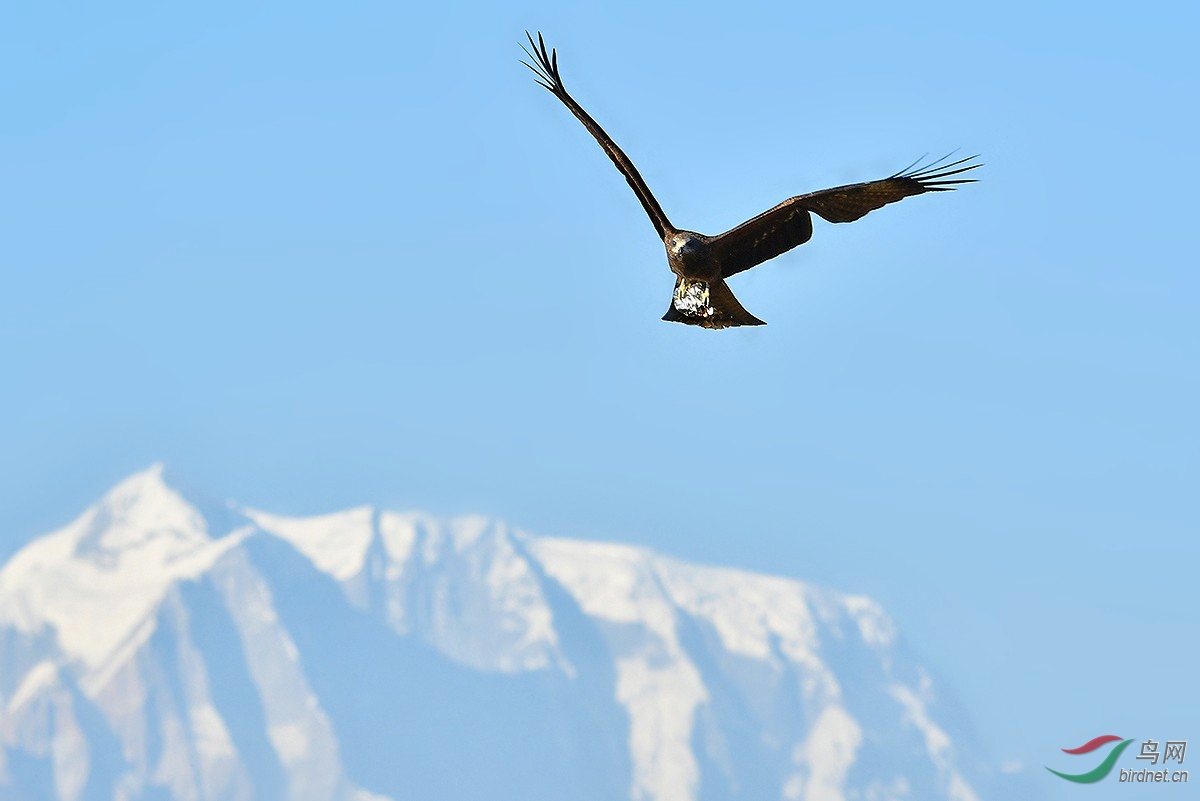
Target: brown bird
x,y
702,263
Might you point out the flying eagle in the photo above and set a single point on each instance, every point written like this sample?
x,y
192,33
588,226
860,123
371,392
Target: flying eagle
x,y
702,263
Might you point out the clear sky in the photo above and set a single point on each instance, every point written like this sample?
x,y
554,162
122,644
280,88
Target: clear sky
x,y
310,257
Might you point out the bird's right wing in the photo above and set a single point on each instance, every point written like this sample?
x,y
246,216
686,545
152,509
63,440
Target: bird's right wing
x,y
789,224
545,67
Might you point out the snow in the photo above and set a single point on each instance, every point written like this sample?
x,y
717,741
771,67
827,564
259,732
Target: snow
x,y
298,728
290,740
481,573
70,753
755,616
488,610
210,735
40,677
335,543
662,700
656,682
937,742
466,532
119,556
364,795
476,592
748,611
875,627
826,757
399,535
610,582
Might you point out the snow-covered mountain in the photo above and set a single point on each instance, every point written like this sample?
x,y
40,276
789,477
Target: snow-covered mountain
x,y
152,651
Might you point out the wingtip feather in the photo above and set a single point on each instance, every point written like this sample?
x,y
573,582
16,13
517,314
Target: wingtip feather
x,y
545,62
935,175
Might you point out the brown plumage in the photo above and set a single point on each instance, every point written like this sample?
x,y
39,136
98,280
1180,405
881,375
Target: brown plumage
x,y
702,263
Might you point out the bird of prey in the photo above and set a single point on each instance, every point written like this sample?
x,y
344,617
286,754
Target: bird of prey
x,y
702,263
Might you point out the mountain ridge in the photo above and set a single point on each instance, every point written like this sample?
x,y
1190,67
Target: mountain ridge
x,y
661,679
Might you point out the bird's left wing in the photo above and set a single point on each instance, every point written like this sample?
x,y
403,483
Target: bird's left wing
x,y
546,70
789,224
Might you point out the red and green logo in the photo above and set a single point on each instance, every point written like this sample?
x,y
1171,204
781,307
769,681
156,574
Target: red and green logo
x,y
1100,771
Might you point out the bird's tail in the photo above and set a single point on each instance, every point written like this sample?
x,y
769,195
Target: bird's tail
x,y
709,304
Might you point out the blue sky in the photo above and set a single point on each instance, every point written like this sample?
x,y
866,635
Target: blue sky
x,y
311,257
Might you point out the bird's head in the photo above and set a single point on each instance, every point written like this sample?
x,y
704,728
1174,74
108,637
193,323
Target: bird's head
x,y
683,244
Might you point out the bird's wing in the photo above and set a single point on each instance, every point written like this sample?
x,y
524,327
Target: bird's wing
x,y
545,67
789,224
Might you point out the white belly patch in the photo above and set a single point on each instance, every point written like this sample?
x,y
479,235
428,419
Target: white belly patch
x,y
691,298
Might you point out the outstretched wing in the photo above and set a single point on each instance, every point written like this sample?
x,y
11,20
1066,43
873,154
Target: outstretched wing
x,y
789,224
545,66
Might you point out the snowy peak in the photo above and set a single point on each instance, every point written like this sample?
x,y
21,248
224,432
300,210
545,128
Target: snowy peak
x,y
734,619
141,513
754,615
465,587
483,603
116,559
335,543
